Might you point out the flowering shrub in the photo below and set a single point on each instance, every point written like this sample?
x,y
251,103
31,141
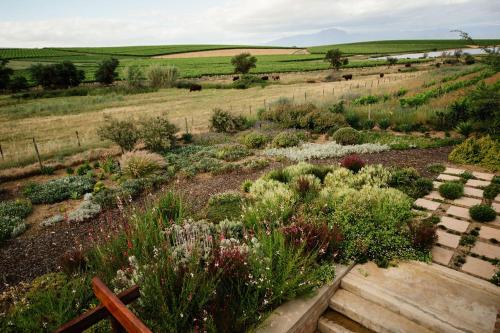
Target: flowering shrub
x,y
12,215
324,150
141,163
59,189
353,163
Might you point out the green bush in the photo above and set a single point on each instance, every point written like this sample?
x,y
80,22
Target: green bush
x,y
491,191
12,214
158,134
124,133
227,205
224,122
347,136
247,81
408,181
83,169
482,213
435,168
483,151
59,189
451,190
255,140
384,123
231,152
353,119
368,124
285,139
47,170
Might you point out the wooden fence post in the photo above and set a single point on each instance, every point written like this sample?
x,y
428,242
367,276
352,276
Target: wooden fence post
x,y
78,138
1,152
37,153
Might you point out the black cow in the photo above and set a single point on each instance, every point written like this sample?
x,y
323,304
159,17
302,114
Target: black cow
x,y
408,65
438,64
236,78
276,77
347,77
194,87
265,78
381,74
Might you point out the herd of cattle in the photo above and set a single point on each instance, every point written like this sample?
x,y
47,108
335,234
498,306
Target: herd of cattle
x,y
347,77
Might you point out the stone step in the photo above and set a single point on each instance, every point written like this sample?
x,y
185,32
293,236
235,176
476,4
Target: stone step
x,y
432,296
371,315
335,322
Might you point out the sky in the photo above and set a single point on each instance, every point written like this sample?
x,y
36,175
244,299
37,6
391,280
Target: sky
x,y
56,23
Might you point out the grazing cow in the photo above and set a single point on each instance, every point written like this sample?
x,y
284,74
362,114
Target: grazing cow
x,y
438,64
236,78
347,77
265,78
381,75
399,69
276,77
407,65
194,87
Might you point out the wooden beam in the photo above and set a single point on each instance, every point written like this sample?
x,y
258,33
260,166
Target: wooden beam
x,y
118,310
92,317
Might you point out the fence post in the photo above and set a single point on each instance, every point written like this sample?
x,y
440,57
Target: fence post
x,y
1,152
305,96
37,153
187,127
78,138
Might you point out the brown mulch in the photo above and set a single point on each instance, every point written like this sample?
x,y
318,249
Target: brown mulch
x,y
34,254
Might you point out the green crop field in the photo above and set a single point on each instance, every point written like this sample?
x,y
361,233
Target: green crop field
x,y
400,46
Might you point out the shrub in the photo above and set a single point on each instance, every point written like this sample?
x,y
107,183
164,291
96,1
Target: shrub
x,y
353,163
353,119
47,170
243,62
409,181
465,128
451,190
58,189
423,186
12,215
365,100
435,168
83,169
70,170
124,133
346,136
158,134
245,186
18,83
227,205
306,186
368,124
423,234
106,71
139,164
133,76
162,76
482,213
247,81
223,121
482,151
58,75
231,152
384,123
255,140
337,108
285,139
491,191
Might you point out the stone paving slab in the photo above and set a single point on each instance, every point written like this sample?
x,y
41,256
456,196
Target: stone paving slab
x,y
496,207
483,175
447,239
441,255
467,202
458,212
487,250
436,184
434,195
477,183
427,204
489,233
454,171
473,192
447,177
454,224
479,267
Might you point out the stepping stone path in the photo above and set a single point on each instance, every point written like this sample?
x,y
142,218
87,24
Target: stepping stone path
x,y
456,222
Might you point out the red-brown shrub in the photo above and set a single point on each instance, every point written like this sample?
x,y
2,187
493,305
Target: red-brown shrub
x,y
353,163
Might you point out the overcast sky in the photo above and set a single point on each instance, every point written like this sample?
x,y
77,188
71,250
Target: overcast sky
x,y
37,23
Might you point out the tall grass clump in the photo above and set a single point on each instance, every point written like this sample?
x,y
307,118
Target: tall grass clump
x,y
162,76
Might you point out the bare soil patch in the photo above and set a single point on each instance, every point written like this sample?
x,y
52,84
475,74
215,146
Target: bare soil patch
x,y
231,52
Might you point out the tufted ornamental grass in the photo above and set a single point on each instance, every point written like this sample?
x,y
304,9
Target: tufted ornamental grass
x,y
139,164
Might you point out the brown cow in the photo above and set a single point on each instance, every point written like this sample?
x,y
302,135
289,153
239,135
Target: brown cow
x,y
236,78
194,87
407,65
265,78
381,74
276,77
347,77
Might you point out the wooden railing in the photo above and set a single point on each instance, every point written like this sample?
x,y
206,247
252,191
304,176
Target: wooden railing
x,y
112,306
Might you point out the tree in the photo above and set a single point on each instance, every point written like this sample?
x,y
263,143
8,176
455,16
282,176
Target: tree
x,y
243,63
334,57
5,73
392,60
18,83
106,72
122,132
492,58
62,75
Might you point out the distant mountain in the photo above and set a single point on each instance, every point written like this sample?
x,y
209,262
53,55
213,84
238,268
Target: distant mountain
x,y
328,36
